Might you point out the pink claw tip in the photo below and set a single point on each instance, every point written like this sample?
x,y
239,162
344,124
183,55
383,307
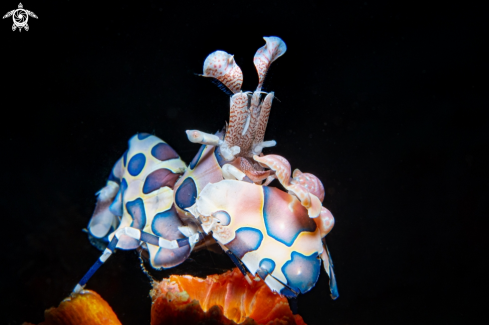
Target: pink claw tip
x,y
221,65
310,182
279,164
272,50
325,221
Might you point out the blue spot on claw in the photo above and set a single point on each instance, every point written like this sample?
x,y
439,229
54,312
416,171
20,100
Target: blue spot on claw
x,y
223,216
247,239
302,271
288,293
266,267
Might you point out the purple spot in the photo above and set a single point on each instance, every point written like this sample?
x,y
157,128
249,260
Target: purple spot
x,y
186,194
163,151
168,258
165,224
136,210
136,164
142,136
158,179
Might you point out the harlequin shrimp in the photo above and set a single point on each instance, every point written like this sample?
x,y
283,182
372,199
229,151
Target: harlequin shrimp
x,y
153,199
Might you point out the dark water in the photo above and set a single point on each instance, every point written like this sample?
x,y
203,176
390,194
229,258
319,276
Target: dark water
x,y
384,102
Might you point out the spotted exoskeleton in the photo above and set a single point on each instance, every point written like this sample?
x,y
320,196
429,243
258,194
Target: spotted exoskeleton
x,y
151,197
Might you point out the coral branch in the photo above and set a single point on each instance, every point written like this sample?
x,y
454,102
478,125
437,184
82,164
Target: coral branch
x,y
86,308
187,297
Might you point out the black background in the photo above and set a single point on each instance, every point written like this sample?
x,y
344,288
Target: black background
x,y
385,102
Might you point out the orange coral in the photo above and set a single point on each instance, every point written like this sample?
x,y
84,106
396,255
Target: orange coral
x,y
87,308
219,299
234,297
